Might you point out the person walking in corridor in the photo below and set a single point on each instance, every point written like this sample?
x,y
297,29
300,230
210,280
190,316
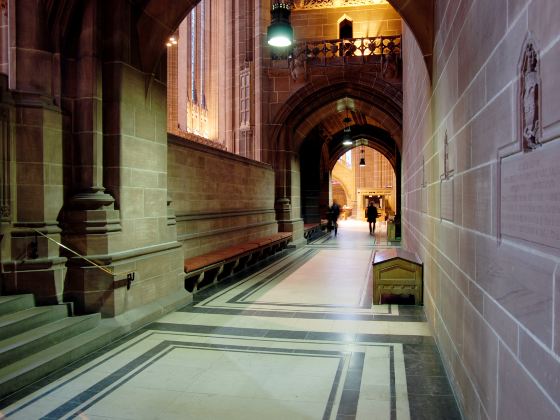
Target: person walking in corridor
x,y
371,215
334,212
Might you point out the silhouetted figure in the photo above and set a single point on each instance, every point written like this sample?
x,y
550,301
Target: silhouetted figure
x,y
334,213
371,215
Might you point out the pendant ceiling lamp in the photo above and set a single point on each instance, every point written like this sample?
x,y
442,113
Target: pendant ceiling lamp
x,y
347,138
362,159
280,32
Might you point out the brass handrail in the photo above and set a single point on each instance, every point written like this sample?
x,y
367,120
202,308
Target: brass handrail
x,y
104,269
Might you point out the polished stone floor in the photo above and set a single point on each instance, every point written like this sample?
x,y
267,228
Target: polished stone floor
x,y
297,339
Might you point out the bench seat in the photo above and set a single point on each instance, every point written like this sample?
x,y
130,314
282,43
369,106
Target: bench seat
x,y
311,231
206,268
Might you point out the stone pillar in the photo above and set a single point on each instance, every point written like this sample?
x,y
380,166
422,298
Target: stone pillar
x,y
128,141
89,218
90,210
31,262
288,197
35,265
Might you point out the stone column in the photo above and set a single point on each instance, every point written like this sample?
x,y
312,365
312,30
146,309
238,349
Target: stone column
x,y
89,218
131,131
90,210
32,263
288,197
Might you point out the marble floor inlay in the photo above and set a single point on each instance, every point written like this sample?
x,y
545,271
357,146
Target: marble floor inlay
x,y
296,339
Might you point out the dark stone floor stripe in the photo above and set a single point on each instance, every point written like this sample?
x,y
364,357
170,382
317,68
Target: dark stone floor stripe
x,y
417,317
291,335
392,380
430,396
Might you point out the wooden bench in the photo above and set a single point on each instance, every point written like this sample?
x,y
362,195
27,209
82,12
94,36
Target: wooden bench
x,y
396,272
205,269
310,230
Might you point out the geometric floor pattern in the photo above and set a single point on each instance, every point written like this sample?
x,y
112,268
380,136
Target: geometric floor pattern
x,y
297,339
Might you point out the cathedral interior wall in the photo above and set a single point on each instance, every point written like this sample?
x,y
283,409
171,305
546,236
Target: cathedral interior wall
x,y
477,205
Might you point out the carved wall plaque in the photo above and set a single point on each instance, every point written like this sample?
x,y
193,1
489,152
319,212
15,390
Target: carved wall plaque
x,y
446,201
447,171
424,200
529,97
530,197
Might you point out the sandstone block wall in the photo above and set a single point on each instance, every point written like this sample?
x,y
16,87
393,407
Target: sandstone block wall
x,y
219,198
374,20
491,285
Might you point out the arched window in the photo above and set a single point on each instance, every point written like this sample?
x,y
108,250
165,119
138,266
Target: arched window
x,y
345,29
193,56
202,55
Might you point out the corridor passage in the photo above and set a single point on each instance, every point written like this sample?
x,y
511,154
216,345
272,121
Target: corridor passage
x,y
298,339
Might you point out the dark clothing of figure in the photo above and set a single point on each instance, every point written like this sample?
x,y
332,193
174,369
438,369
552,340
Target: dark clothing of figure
x,y
371,215
334,213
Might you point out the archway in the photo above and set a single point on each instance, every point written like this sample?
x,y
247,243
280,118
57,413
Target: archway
x,y
319,155
307,137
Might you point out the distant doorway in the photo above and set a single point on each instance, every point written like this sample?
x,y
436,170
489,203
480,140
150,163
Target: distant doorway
x,y
345,30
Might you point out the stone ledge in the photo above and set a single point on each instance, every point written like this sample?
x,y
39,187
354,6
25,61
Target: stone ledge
x,y
218,215
186,237
189,144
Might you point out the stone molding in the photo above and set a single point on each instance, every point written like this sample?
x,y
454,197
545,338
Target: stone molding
x,y
184,217
108,259
189,236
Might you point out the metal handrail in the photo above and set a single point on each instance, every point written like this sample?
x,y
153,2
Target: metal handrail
x,y
104,269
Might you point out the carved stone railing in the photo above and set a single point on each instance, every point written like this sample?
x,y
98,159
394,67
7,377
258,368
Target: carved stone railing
x,y
383,51
323,4
354,50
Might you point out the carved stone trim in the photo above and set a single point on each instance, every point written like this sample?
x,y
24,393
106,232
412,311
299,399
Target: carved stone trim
x,y
185,217
447,171
529,96
197,235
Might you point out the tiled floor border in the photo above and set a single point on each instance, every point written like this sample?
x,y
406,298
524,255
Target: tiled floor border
x,y
347,405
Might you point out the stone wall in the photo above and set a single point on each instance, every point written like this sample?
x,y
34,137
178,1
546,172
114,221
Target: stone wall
x,y
480,209
374,20
219,198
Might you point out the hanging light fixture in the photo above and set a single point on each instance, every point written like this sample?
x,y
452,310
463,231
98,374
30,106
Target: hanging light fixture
x,y
347,138
280,32
362,159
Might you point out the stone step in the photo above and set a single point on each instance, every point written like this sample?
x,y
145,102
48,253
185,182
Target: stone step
x,y
11,304
32,341
37,366
18,322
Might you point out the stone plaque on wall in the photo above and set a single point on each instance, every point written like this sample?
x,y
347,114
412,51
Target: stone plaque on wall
x,y
424,199
446,199
530,196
